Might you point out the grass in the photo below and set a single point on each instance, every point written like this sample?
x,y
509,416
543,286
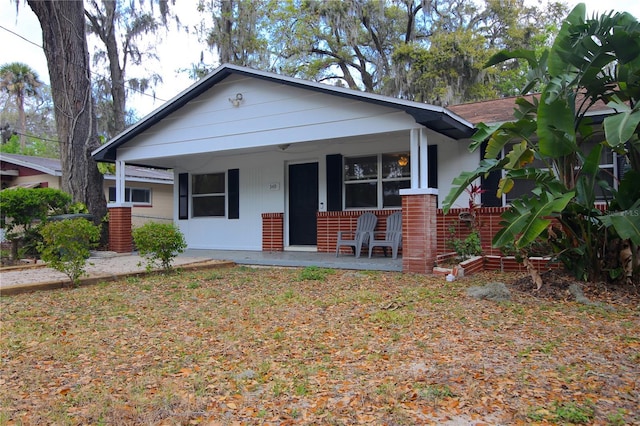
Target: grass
x,y
312,346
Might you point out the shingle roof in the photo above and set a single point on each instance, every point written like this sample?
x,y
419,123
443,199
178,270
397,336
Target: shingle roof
x,y
501,110
52,166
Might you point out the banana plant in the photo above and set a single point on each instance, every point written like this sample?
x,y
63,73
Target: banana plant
x,y
595,60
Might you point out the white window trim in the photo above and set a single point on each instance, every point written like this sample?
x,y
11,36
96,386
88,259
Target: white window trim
x,y
379,180
129,190
223,194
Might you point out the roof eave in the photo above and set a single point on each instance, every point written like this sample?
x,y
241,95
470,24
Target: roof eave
x,y
17,162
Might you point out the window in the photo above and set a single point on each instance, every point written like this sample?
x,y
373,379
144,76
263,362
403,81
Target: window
x,y
139,196
208,194
608,172
374,181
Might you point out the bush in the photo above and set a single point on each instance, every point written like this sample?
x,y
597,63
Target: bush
x,y
468,247
66,245
159,242
24,210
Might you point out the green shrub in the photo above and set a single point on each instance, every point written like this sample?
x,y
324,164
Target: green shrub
x,y
25,210
159,243
66,245
468,247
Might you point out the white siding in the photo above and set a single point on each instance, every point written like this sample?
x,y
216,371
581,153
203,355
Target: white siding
x,y
454,158
270,114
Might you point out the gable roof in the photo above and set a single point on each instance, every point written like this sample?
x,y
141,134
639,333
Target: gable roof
x,y
53,167
433,117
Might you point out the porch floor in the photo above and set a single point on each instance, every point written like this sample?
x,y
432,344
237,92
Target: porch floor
x,y
301,259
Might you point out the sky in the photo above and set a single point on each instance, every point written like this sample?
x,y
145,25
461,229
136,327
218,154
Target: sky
x,y
21,38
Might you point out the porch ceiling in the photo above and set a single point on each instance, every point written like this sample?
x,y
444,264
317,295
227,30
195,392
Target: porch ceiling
x,y
286,150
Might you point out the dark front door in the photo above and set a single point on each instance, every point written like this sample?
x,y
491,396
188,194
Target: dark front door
x,y
303,204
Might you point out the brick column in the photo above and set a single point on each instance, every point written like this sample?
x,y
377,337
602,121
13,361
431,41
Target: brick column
x,y
120,239
272,231
419,229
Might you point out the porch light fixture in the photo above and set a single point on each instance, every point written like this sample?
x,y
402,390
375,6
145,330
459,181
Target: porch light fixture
x,y
237,100
403,161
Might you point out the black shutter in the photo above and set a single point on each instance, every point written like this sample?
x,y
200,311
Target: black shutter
x,y
489,184
334,183
183,196
432,160
233,193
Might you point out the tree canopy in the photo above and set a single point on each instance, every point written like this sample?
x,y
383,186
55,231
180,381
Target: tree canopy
x,y
20,82
430,51
124,30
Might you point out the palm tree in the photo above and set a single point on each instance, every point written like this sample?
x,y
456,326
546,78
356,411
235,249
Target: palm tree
x,y
20,81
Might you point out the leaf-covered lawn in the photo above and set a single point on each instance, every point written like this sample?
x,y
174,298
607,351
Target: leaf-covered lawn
x,y
300,346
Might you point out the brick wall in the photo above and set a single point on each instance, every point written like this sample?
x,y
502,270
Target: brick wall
x,y
329,223
120,239
272,231
489,225
419,233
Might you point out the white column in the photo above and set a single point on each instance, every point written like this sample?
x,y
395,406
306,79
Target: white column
x,y
424,160
415,157
120,182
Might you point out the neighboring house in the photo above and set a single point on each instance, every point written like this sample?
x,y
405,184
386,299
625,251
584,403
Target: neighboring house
x,y
149,190
268,162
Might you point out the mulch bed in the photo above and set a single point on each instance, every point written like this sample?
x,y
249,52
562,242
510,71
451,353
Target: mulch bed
x,y
556,287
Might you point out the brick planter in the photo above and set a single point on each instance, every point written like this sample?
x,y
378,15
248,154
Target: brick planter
x,y
491,263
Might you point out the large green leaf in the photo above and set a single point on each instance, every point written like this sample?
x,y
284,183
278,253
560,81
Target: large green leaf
x,y
555,126
482,133
628,191
504,55
626,223
624,40
528,218
564,41
460,183
519,156
586,184
521,130
620,127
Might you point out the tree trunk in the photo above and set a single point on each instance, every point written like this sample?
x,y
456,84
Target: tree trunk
x,y
23,122
105,28
65,47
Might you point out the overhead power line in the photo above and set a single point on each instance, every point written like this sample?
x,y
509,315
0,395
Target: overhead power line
x,y
78,65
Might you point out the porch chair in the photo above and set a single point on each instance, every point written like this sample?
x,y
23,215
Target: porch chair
x,y
392,236
365,226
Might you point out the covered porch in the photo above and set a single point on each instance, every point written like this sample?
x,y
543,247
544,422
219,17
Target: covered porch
x,y
300,259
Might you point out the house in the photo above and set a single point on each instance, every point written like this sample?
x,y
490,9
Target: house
x,y
149,190
267,162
